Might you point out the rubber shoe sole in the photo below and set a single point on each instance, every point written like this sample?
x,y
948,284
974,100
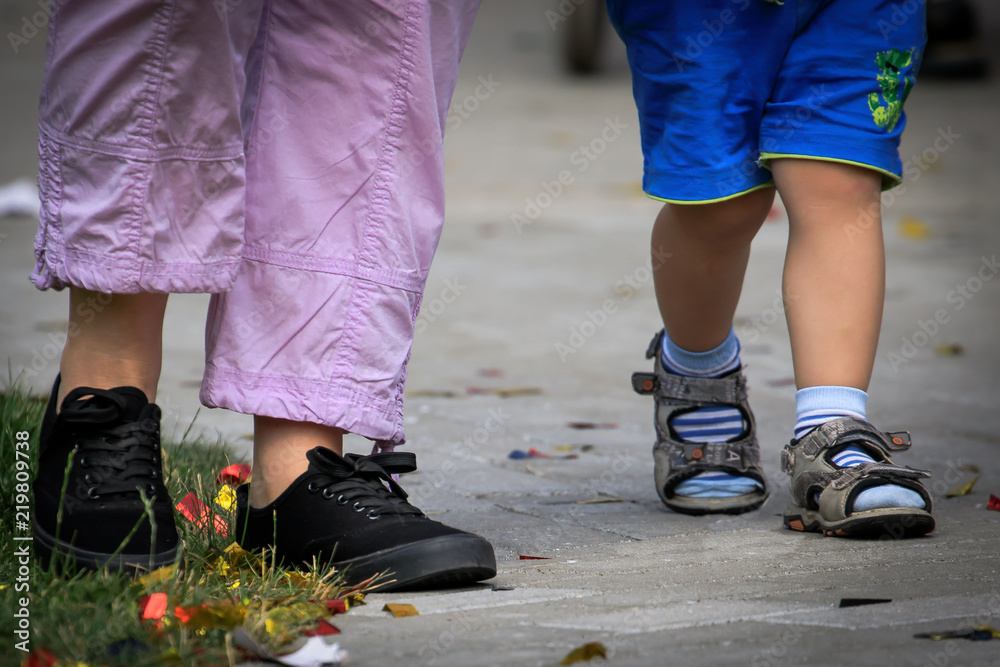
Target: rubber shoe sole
x,y
45,545
703,506
442,562
892,522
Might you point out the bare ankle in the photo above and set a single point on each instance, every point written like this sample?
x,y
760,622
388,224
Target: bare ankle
x,y
279,454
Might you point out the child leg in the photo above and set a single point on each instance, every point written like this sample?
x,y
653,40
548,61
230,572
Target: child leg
x,y
699,285
834,286
697,289
834,279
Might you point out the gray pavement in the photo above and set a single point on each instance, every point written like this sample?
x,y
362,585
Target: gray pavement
x,y
564,305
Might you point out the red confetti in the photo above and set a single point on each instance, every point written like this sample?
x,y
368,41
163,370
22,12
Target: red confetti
x,y
993,504
336,606
199,514
234,474
490,372
153,607
323,627
522,557
39,658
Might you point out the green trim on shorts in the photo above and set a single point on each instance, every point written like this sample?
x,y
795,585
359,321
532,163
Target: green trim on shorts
x,y
889,179
769,184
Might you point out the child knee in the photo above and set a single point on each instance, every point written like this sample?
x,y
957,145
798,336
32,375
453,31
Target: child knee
x,y
732,218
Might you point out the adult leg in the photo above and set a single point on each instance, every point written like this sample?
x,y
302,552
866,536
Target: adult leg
x,y
141,185
344,209
345,201
114,340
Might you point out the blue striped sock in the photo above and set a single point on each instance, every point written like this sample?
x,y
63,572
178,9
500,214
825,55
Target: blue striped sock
x,y
710,424
815,406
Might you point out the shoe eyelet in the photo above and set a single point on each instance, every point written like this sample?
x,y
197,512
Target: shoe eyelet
x,y
312,488
373,515
328,493
341,500
151,490
358,507
83,462
91,493
89,479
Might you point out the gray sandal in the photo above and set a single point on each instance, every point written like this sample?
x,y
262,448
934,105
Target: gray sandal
x,y
676,460
812,471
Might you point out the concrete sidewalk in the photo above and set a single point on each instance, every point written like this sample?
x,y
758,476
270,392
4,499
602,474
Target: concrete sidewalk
x,y
543,285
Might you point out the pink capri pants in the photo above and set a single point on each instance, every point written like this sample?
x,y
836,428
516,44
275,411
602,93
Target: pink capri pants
x,y
285,156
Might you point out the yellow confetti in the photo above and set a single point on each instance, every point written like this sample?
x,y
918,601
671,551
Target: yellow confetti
x,y
298,580
584,653
401,610
962,490
157,576
226,497
913,229
215,615
563,448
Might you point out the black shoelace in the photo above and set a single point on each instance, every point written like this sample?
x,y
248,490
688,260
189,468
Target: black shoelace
x,y
363,482
119,457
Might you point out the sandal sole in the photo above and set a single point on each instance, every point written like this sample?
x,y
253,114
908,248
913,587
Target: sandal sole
x,y
892,523
449,561
703,506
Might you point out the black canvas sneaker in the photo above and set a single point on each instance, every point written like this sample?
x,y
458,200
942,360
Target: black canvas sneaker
x,y
115,439
349,511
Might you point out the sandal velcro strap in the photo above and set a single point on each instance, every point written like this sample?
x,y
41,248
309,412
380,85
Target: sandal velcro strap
x,y
846,429
887,471
729,390
739,455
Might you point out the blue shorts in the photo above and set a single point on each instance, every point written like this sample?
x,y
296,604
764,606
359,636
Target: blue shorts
x,y
723,86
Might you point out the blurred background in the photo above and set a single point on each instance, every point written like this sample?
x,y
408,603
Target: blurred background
x,y
542,80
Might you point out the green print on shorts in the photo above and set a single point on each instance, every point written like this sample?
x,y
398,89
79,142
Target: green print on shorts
x,y
891,77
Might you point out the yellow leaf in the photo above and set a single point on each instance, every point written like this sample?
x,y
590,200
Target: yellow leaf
x,y
949,350
963,490
584,653
911,228
401,610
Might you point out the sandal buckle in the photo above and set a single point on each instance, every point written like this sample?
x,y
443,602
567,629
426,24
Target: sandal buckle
x,y
644,383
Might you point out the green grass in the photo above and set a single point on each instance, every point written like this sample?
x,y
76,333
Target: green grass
x,y
89,617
